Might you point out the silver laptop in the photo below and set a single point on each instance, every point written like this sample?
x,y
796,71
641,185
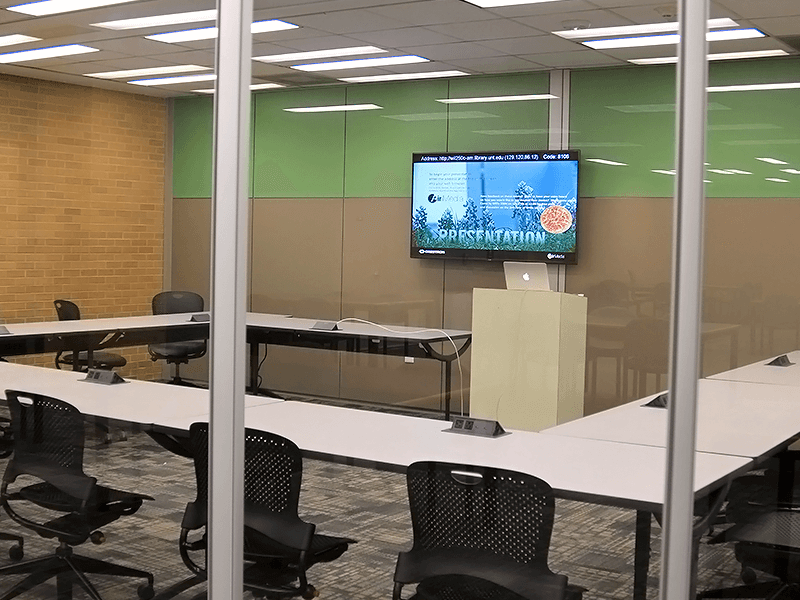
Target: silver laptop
x,y
526,276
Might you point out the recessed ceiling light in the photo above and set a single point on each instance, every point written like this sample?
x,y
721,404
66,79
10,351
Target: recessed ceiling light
x,y
195,16
496,3
667,60
603,161
332,108
209,33
40,53
791,171
402,76
755,87
580,34
772,161
672,38
317,54
253,87
496,99
150,71
361,63
173,80
721,171
739,172
53,7
17,38
777,179
664,171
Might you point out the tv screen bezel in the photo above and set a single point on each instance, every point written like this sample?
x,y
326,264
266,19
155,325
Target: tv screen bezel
x,y
487,254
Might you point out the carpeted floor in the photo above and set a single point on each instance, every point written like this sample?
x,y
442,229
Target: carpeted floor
x,y
591,544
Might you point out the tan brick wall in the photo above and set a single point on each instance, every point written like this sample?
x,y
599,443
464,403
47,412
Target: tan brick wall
x,y
81,203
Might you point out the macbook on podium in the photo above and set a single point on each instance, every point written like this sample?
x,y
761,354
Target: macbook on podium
x,y
526,276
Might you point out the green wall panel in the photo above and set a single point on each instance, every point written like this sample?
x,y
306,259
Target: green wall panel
x,y
754,124
494,126
624,115
380,142
298,155
192,147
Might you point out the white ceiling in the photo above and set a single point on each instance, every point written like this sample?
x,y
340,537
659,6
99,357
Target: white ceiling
x,y
451,33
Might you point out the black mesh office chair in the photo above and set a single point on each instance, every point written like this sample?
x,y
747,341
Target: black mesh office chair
x,y
177,353
6,449
279,546
69,311
479,533
48,447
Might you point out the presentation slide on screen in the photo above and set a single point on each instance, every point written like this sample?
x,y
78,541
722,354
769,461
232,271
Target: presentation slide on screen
x,y
514,205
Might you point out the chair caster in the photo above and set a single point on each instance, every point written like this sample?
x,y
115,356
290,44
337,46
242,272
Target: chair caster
x,y
748,576
16,552
310,593
145,591
97,537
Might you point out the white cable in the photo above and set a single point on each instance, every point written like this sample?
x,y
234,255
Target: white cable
x,y
426,330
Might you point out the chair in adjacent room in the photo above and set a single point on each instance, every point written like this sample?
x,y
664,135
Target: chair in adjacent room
x,y
480,533
646,351
48,456
780,311
69,311
279,547
605,339
177,353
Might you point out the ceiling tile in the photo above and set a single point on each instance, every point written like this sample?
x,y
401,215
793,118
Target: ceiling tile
x,y
349,21
778,26
434,12
456,50
404,37
543,8
567,60
531,45
556,22
495,64
486,30
750,9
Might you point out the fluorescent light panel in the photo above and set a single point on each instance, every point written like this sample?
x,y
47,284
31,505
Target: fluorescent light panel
x,y
402,76
603,161
253,87
53,7
209,33
755,87
672,38
361,63
667,60
149,71
772,161
664,171
195,16
496,99
791,171
332,108
174,80
17,38
496,3
580,34
317,54
41,53
777,180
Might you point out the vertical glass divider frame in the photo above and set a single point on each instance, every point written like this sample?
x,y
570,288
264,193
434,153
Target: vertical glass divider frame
x,y
677,580
230,216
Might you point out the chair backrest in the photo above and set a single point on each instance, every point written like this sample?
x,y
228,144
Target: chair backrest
x,y
67,311
647,344
273,469
480,508
48,443
608,293
177,302
780,311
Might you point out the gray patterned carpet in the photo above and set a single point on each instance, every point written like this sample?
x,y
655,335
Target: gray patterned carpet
x,y
593,545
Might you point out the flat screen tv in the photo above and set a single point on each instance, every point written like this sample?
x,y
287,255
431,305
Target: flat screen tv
x,y
520,206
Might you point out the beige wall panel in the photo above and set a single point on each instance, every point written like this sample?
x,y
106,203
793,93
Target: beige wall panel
x,y
296,268
381,283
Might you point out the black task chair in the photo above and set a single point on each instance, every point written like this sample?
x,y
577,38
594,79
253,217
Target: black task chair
x,y
69,311
766,538
6,449
177,353
479,533
48,447
279,546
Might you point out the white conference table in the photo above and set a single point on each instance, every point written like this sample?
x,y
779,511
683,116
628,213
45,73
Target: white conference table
x,y
262,329
752,420
760,372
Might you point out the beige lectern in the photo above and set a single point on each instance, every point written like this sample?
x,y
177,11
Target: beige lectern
x,y
528,357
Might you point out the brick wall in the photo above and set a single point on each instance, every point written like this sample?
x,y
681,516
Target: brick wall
x,y
81,203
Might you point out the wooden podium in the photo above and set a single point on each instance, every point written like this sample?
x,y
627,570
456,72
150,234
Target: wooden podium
x,y
528,357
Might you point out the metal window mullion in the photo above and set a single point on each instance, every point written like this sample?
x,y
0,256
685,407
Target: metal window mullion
x,y
229,296
687,275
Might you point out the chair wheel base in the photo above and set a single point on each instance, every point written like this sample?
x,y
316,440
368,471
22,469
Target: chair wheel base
x,y
145,591
15,552
310,593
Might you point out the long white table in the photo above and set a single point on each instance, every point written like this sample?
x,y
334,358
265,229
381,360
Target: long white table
x,y
760,372
597,471
262,329
738,419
